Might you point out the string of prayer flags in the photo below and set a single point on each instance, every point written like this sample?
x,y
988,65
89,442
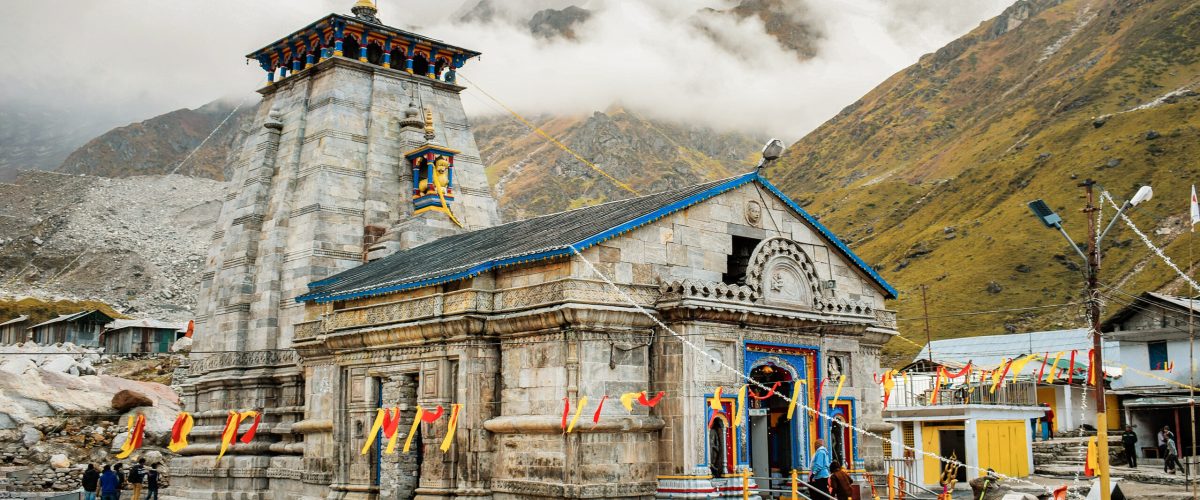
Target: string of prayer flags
x,y
180,430
137,428
1019,365
453,426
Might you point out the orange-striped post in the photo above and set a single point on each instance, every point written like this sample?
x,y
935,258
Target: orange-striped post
x,y
746,484
795,485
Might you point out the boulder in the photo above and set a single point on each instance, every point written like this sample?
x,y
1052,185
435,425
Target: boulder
x,y
182,345
152,457
59,461
126,399
30,436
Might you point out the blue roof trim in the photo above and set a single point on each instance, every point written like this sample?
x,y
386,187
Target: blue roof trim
x,y
891,292
599,238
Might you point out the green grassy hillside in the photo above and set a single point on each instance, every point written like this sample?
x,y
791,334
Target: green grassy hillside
x,y
928,175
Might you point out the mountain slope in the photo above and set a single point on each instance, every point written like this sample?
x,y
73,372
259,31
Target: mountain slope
x,y
158,145
530,176
929,173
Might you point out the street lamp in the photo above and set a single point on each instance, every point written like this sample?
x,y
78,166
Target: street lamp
x,y
771,152
1052,220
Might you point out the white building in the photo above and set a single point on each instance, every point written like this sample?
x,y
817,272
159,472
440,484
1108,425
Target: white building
x,y
1155,346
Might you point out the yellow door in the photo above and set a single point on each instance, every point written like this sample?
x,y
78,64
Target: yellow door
x,y
1114,414
931,444
1003,447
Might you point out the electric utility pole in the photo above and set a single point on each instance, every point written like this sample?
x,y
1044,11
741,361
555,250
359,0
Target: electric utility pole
x,y
1093,293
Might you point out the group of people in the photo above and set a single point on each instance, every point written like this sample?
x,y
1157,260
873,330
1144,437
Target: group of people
x,y
107,482
1168,448
828,476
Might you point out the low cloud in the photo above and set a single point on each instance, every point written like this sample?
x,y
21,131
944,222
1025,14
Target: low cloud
x,y
128,61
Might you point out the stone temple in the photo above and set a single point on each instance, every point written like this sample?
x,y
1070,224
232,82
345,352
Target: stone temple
x,y
360,264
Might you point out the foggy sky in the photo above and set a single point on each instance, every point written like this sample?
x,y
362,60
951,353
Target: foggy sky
x,y
122,61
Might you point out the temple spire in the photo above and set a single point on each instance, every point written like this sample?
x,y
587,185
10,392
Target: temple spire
x,y
365,10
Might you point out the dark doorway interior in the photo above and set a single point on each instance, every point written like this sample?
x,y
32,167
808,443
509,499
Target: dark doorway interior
x,y
954,445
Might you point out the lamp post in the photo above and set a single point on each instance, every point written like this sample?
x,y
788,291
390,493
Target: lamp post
x,y
1052,220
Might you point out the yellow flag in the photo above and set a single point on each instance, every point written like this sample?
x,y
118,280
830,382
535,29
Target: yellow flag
x,y
412,431
578,410
741,406
453,425
715,402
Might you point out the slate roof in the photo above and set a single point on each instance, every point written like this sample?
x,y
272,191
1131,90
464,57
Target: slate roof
x,y
468,254
15,320
70,317
992,350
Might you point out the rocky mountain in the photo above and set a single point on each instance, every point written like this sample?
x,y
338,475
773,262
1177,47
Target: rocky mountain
x,y
784,20
159,144
530,176
136,243
928,174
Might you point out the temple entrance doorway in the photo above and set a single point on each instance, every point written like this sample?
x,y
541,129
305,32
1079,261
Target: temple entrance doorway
x,y
773,438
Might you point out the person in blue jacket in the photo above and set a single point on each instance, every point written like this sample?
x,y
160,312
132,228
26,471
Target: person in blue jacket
x,y
110,484
820,470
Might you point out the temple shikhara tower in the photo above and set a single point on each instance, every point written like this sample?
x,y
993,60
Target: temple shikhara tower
x,y
361,147
360,265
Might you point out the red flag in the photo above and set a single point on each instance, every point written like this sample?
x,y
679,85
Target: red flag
x,y
596,416
566,412
191,328
770,392
430,417
650,402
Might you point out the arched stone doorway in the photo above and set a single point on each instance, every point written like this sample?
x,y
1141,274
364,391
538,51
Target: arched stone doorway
x,y
775,441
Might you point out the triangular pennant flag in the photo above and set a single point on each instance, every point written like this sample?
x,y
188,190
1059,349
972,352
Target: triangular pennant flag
x,y
715,402
627,400
578,410
795,398
740,412
375,427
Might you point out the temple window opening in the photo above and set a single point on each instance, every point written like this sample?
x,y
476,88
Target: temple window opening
x,y
420,64
375,53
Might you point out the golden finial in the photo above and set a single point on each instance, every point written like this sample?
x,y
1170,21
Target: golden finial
x,y
429,123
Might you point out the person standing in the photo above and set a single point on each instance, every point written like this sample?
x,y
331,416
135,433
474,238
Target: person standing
x,y
118,469
137,474
1129,439
819,474
840,482
110,485
90,482
1171,455
152,482
1162,441
1047,423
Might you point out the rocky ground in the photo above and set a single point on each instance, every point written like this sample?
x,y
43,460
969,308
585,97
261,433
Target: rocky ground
x,y
137,243
60,410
